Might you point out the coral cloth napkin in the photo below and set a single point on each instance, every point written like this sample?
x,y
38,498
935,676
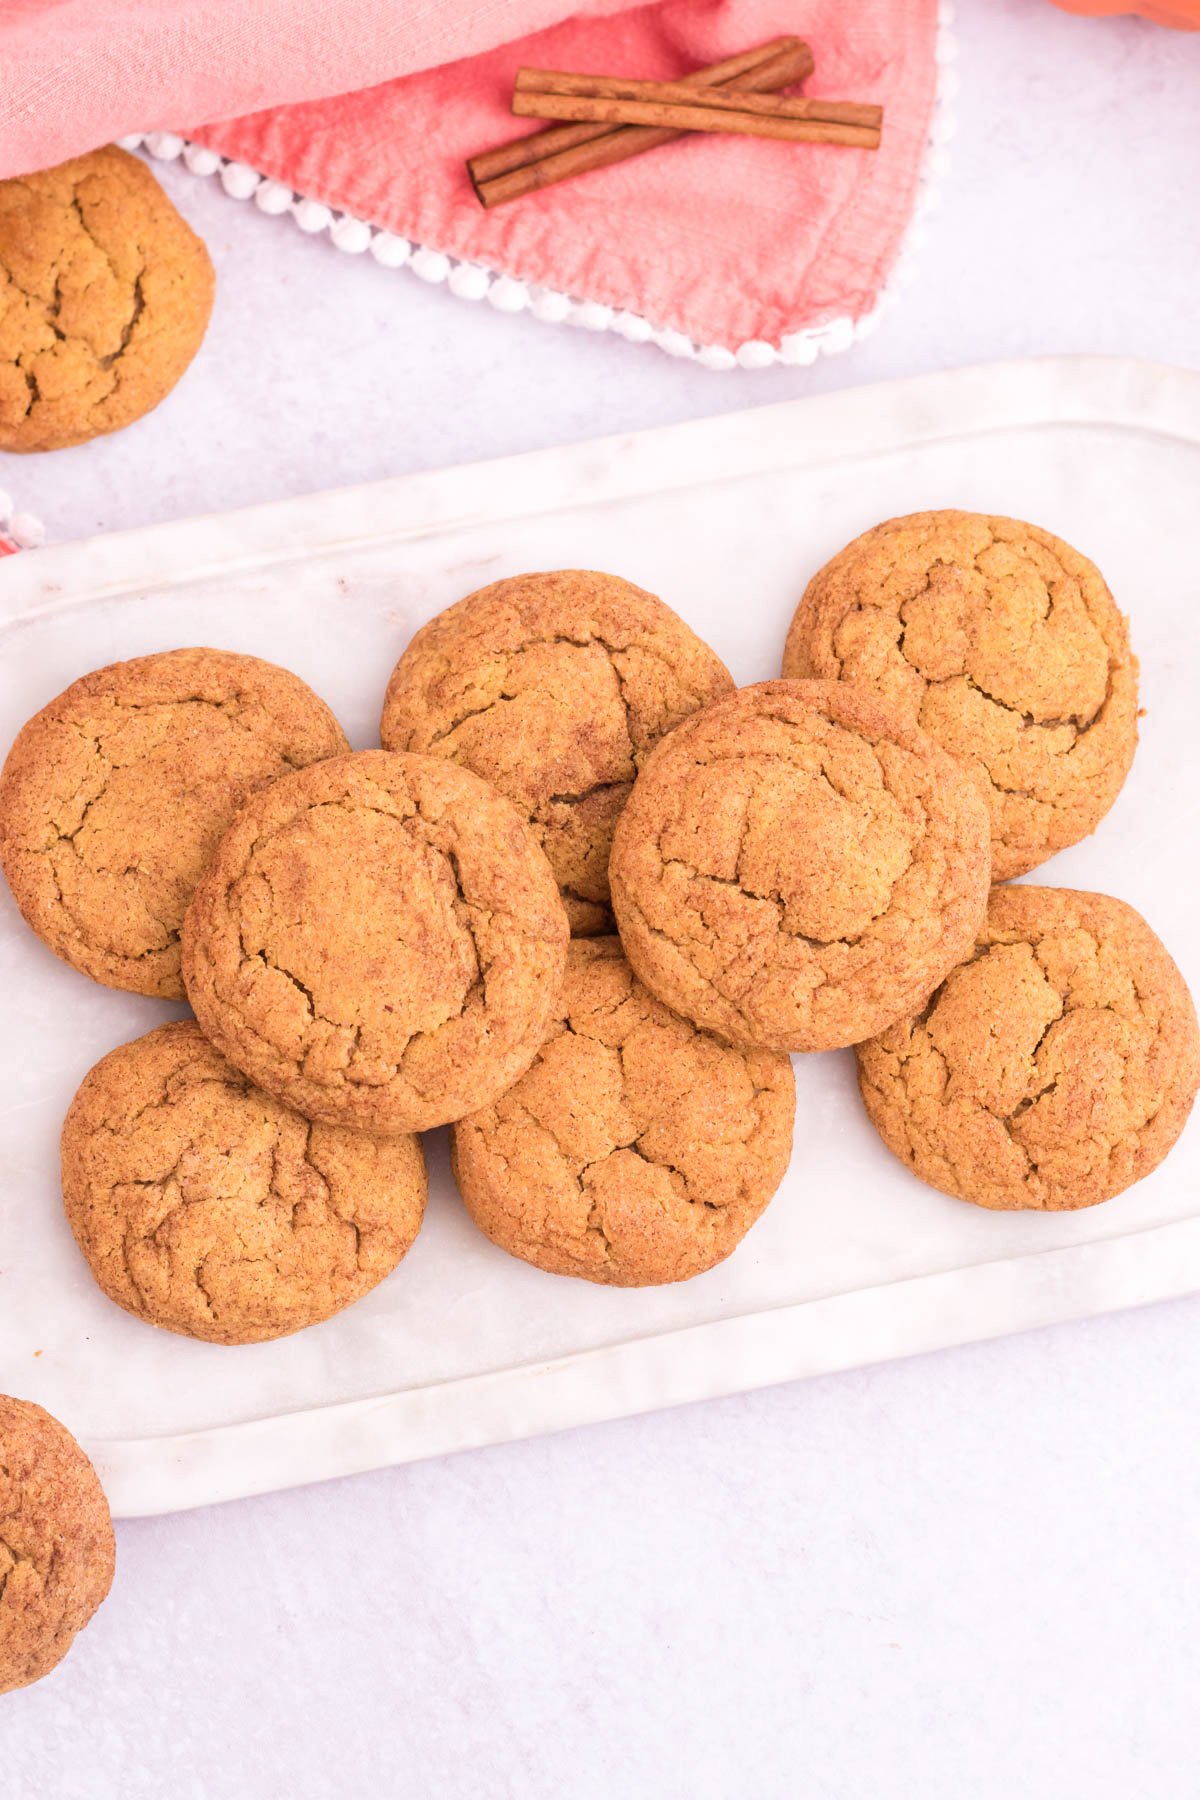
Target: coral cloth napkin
x,y
729,242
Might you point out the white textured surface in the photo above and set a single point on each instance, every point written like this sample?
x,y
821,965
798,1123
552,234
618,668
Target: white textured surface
x,y
969,1576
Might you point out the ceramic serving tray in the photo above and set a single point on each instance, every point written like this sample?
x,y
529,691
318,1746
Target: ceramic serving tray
x,y
855,1261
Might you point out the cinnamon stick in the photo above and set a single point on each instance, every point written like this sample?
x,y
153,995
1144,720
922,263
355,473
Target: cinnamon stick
x,y
676,116
544,158
792,52
610,87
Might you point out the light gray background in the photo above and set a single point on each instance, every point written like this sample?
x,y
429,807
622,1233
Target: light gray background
x,y
971,1576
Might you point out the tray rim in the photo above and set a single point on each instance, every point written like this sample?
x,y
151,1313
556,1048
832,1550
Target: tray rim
x,y
146,1477
1129,392
154,1475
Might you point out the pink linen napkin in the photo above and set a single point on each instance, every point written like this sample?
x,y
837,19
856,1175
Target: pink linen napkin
x,y
77,73
728,242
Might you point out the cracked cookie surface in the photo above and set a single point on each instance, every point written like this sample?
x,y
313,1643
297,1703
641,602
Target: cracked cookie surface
x,y
113,799
554,687
637,1149
797,867
205,1206
57,1549
379,941
1005,645
105,294
1052,1069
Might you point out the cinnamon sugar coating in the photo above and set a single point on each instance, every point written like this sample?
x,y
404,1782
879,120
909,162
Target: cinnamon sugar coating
x,y
797,867
207,1207
105,294
1005,645
637,1149
114,797
379,942
554,687
57,1549
1054,1067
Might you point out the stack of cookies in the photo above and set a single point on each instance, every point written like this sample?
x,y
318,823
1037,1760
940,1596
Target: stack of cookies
x,y
373,945
1056,1062
580,907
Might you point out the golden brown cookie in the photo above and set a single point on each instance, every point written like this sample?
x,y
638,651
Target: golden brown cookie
x,y
205,1206
1053,1068
115,796
797,867
379,942
636,1149
57,1549
105,294
1002,643
554,687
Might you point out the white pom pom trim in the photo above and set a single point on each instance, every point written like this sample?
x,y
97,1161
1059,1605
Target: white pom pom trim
x,y
592,315
352,236
715,356
201,161
509,294
240,181
391,252
28,531
757,354
273,198
675,343
311,216
633,327
469,281
164,146
20,528
551,307
430,265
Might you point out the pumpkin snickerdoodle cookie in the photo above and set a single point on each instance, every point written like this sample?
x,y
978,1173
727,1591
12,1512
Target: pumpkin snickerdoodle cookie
x,y
797,867
554,687
205,1206
1053,1068
379,942
114,797
57,1549
1005,645
105,294
637,1149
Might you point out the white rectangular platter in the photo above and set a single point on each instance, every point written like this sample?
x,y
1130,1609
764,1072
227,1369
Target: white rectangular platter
x,y
854,1261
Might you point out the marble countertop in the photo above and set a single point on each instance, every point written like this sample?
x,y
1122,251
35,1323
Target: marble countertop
x,y
964,1575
